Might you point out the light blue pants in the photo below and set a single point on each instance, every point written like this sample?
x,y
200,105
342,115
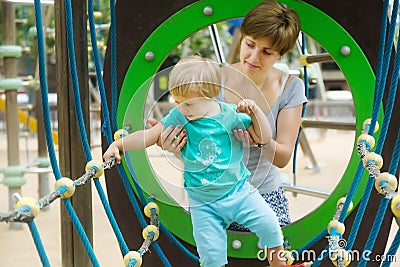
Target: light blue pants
x,y
245,206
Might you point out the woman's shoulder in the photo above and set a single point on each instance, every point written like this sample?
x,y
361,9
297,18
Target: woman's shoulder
x,y
293,82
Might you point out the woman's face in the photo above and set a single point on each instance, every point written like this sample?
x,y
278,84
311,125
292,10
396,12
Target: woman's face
x,y
257,56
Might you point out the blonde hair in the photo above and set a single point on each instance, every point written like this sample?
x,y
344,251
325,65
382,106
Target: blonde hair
x,y
274,21
195,76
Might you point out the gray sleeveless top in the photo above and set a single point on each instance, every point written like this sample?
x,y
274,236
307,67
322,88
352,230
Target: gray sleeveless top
x,y
264,175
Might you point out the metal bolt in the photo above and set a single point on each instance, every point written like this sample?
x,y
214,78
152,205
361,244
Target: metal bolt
x,y
149,56
236,244
345,50
17,197
208,11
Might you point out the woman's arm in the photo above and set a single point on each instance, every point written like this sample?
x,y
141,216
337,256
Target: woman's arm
x,y
259,129
280,151
134,141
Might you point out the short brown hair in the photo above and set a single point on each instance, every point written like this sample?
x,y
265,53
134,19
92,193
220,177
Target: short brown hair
x,y
194,75
274,21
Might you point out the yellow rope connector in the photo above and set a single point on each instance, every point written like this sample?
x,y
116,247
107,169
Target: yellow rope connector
x,y
342,200
367,138
98,165
133,255
148,207
120,134
395,206
340,228
388,178
151,229
367,123
31,203
376,158
68,183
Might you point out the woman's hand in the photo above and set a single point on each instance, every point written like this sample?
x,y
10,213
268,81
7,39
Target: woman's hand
x,y
172,139
243,136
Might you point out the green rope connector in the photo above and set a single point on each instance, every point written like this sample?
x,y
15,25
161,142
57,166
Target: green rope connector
x,y
32,32
42,162
34,83
11,84
10,51
13,176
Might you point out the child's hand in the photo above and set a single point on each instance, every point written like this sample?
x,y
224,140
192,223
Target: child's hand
x,y
246,106
111,151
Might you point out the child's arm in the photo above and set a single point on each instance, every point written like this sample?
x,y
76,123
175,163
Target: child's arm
x,y
259,129
134,141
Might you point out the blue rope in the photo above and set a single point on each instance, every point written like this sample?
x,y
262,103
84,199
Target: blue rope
x,y
100,82
44,90
383,133
104,109
121,170
392,170
394,163
39,244
174,240
381,59
321,257
48,133
81,232
111,218
138,212
303,112
389,257
352,190
394,80
139,190
377,103
113,57
106,129
313,241
75,82
375,229
360,212
99,21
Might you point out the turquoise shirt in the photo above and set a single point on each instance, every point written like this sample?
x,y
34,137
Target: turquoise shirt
x,y
212,157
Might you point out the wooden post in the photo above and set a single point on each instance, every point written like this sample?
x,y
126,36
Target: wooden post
x,y
72,160
12,125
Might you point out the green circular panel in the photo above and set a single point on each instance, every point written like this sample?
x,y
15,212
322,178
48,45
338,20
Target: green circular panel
x,y
178,27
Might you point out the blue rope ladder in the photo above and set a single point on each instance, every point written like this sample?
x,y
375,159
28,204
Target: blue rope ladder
x,y
27,208
372,161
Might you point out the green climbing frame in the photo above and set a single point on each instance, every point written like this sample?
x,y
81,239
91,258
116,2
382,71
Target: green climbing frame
x,y
181,25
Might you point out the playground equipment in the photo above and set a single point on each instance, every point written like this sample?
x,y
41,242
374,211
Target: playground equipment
x,y
146,56
14,172
244,246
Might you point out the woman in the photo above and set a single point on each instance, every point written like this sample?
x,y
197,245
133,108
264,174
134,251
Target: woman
x,y
269,31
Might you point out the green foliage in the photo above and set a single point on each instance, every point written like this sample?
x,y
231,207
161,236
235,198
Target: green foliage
x,y
25,20
199,43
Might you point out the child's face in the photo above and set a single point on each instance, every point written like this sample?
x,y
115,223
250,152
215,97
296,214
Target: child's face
x,y
194,107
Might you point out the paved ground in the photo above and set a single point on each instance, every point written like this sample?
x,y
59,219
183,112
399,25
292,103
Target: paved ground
x,y
17,248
